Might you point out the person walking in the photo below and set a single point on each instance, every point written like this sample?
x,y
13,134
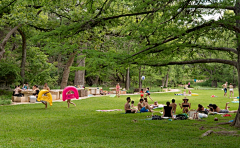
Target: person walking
x,y
118,90
225,89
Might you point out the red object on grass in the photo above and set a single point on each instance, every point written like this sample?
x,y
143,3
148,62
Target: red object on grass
x,y
227,115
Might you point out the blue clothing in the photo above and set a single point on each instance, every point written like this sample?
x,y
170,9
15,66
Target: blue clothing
x,y
25,87
144,110
225,90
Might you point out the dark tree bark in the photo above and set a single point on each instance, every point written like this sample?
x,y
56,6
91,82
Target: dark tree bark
x,y
139,78
24,54
236,121
163,81
127,84
67,70
80,74
166,80
214,83
2,45
96,80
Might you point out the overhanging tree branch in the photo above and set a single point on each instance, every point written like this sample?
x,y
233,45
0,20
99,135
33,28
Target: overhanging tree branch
x,y
39,28
214,48
2,9
233,63
176,37
212,7
101,9
2,45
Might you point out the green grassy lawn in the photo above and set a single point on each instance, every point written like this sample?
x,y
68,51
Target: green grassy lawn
x,y
82,126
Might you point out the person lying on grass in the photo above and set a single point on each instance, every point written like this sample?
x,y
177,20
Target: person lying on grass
x,y
127,107
69,100
167,111
215,108
146,105
185,105
174,106
201,109
154,105
141,108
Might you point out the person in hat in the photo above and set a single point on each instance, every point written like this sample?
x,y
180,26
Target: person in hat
x,y
185,105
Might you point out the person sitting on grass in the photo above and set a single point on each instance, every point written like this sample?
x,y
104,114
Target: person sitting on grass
x,y
148,93
132,105
141,108
127,107
69,100
167,111
184,93
146,105
174,106
185,105
215,108
189,92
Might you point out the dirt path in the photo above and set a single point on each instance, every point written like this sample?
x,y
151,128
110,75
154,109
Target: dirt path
x,y
16,103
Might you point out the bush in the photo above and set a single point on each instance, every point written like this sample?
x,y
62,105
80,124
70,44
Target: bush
x,y
5,100
4,92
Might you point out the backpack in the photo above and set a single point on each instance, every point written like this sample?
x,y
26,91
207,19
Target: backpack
x,y
156,117
181,116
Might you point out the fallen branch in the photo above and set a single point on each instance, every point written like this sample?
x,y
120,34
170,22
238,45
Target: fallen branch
x,y
207,133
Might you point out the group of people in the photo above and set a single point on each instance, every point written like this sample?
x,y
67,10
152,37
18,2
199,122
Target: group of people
x,y
215,108
170,108
225,86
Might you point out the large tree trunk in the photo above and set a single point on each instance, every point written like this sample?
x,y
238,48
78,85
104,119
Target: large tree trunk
x,y
214,83
127,84
139,79
236,121
80,74
166,80
96,80
163,81
67,70
2,45
24,54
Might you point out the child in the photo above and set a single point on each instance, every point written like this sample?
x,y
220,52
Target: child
x,y
148,93
141,94
189,92
184,93
132,105
69,100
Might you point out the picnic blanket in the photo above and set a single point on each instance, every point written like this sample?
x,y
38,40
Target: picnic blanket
x,y
235,101
110,110
159,106
112,96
